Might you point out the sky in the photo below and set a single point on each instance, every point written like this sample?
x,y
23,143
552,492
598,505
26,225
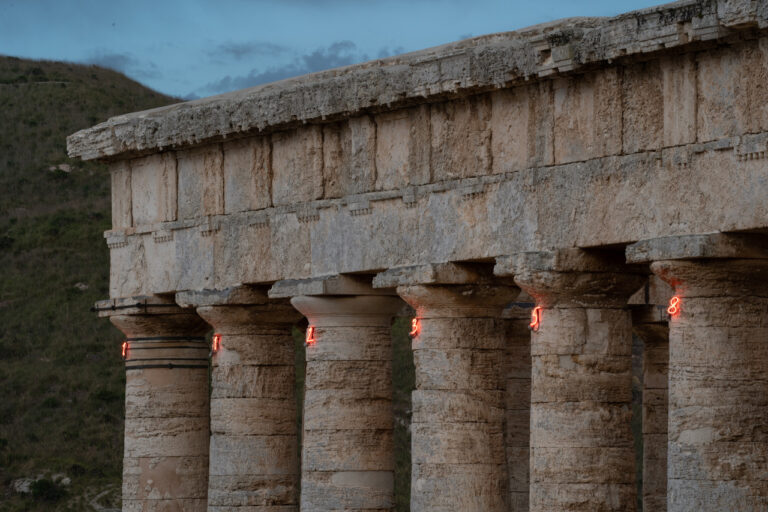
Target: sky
x,y
197,48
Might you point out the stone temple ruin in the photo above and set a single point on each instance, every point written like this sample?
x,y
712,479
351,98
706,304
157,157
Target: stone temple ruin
x,y
590,177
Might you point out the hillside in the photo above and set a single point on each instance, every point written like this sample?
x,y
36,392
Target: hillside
x,y
61,377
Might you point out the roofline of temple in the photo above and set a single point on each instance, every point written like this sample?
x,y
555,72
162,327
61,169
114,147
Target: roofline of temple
x,y
466,67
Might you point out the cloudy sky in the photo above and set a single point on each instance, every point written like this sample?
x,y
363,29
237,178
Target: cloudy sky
x,y
195,48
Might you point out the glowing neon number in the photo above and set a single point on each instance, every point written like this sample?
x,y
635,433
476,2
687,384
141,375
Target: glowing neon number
x,y
415,328
674,306
310,339
216,343
124,350
535,319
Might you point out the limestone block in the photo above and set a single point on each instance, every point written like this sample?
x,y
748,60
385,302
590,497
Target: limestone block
x,y
375,377
587,377
452,333
243,253
458,443
290,245
461,138
127,269
253,416
572,424
334,238
200,182
247,174
194,259
643,101
521,124
152,393
567,333
393,148
297,165
518,427
732,102
160,263
587,116
165,478
458,369
269,349
252,381
358,143
679,78
580,497
347,490
253,455
582,465
122,216
347,450
333,160
449,487
250,493
654,411
335,348
334,409
171,437
153,188
473,406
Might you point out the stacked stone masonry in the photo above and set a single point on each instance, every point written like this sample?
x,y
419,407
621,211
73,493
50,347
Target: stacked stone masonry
x,y
603,166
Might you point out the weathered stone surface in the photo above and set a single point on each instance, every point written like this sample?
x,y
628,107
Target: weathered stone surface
x,y
587,116
247,175
457,431
297,165
717,385
483,62
253,431
347,443
122,210
200,182
581,438
165,461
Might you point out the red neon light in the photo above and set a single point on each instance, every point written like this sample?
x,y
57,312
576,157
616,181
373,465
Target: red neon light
x,y
124,350
415,328
310,339
216,343
674,306
535,319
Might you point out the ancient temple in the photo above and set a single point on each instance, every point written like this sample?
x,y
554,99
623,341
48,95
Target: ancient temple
x,y
532,198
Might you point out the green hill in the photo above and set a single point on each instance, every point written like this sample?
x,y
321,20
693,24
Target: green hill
x,y
61,377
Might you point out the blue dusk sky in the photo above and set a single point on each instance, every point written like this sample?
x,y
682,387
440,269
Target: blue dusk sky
x,y
196,48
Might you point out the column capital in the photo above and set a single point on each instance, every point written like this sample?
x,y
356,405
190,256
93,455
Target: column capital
x,y
336,284
714,277
460,301
573,277
240,309
348,311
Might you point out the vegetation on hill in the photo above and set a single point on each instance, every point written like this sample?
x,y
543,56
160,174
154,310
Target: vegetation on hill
x,y
61,377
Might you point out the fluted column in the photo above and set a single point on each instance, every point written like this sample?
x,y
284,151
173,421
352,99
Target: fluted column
x,y
718,385
651,327
347,451
254,445
457,429
582,453
517,431
165,461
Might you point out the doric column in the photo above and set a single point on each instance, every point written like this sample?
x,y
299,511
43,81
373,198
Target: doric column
x,y
347,445
517,430
457,428
254,445
718,370
650,324
165,461
582,453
